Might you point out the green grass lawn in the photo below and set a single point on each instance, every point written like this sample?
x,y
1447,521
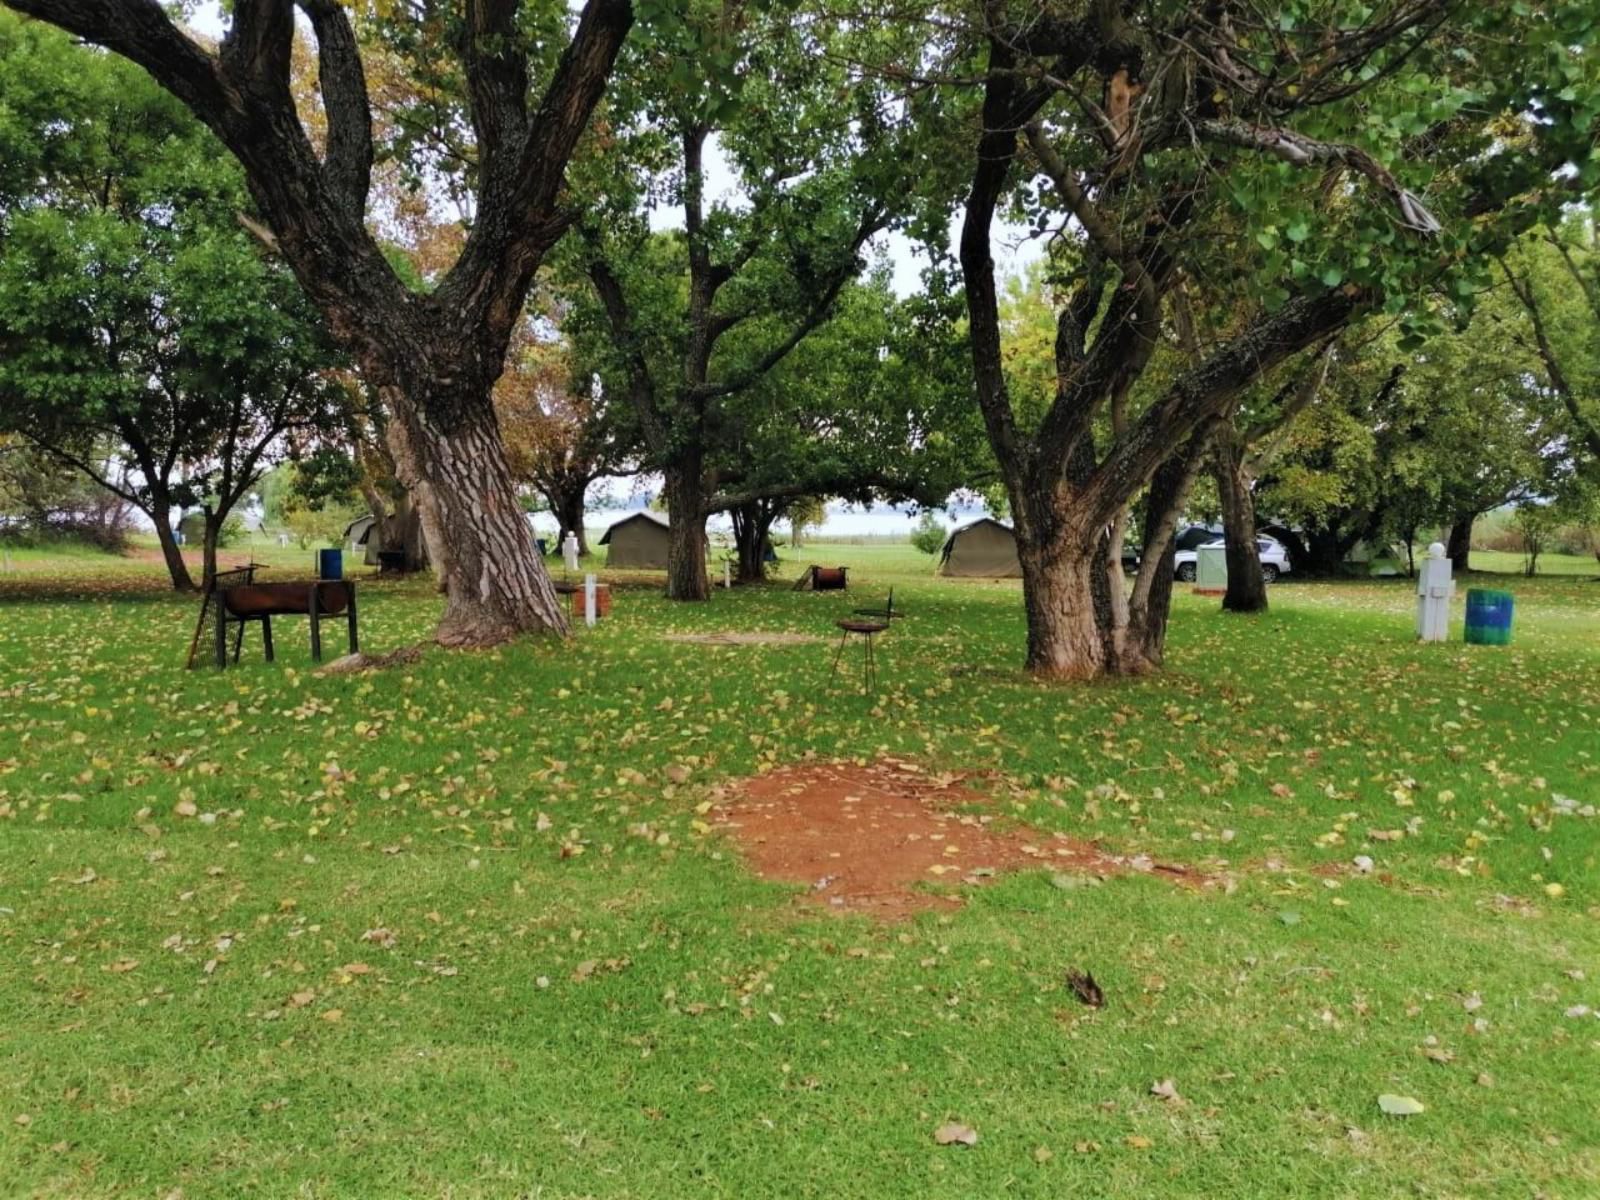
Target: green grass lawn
x,y
455,930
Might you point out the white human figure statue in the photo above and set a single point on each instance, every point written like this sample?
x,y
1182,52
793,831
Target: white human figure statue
x,y
1434,589
569,550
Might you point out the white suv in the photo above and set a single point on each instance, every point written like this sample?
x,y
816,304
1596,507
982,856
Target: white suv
x,y
1272,553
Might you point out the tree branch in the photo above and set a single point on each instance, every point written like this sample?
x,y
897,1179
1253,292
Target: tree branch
x,y
256,51
140,30
81,464
1100,231
1588,285
1588,430
1296,396
1006,106
1296,148
872,220
1202,391
641,384
521,218
563,112
347,165
496,68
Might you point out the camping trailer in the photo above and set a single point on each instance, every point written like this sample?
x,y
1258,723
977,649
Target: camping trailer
x,y
981,549
637,542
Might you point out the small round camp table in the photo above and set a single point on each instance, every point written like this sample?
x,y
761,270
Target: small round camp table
x,y
866,630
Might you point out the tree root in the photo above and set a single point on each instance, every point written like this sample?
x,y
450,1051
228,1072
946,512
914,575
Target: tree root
x,y
352,663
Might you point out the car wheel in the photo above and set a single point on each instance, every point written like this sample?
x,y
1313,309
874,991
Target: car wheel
x,y
1186,573
1269,573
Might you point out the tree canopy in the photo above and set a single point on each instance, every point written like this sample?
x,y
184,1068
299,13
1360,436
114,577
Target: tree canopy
x,y
133,306
1249,188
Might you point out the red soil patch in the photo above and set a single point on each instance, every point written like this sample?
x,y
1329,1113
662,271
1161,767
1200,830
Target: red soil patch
x,y
864,838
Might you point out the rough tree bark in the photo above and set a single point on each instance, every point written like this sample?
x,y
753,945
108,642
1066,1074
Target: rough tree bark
x,y
477,536
434,357
1068,614
687,578
210,535
403,531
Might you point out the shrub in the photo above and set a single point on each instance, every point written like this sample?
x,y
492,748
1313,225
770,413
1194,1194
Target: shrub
x,y
193,528
929,534
42,501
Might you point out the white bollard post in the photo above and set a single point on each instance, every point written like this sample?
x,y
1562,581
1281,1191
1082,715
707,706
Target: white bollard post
x,y
1434,589
588,600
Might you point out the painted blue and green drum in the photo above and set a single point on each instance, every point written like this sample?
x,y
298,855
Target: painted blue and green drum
x,y
1488,617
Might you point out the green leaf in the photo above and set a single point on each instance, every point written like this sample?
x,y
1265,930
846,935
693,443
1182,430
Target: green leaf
x,y
1068,882
1400,1106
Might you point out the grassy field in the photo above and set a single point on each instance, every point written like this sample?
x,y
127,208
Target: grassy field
x,y
459,930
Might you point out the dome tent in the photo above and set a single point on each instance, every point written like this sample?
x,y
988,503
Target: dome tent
x,y
981,549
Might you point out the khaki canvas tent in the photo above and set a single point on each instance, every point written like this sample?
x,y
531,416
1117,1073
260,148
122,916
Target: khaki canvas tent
x,y
638,541
360,539
982,549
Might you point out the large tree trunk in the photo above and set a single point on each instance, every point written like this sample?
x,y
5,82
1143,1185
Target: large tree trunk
x,y
478,539
1458,549
177,569
752,525
567,504
1247,588
1072,584
1067,627
686,545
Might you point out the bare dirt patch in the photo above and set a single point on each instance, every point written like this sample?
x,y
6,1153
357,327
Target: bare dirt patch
x,y
868,838
748,638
